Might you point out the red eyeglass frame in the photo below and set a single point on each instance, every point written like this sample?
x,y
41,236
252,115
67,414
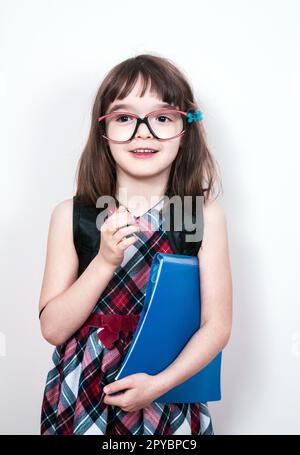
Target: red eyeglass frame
x,y
145,120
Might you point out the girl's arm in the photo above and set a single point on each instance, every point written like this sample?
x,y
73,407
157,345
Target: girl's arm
x,y
216,303
66,299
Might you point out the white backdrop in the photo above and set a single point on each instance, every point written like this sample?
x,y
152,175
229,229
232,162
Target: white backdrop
x,y
242,59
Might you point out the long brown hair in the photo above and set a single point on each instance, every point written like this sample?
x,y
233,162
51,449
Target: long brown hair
x,y
194,165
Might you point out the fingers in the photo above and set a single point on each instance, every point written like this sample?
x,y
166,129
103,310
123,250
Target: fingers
x,y
120,384
127,242
120,218
123,232
116,400
113,235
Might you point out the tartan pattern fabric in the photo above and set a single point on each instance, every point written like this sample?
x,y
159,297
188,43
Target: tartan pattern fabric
x,y
82,366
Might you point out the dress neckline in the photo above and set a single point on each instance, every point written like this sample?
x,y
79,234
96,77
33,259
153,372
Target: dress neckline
x,y
145,213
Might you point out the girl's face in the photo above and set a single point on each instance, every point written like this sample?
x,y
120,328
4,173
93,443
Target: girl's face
x,y
126,160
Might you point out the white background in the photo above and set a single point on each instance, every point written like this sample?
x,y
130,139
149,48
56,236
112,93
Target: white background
x,y
242,59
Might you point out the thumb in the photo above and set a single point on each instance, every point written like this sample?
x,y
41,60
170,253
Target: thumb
x,y
123,383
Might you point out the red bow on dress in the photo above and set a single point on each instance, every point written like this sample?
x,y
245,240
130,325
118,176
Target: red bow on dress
x,y
113,324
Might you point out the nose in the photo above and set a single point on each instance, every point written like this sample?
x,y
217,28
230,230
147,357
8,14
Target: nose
x,y
143,131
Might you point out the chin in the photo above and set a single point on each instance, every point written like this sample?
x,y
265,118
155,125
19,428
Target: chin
x,y
139,173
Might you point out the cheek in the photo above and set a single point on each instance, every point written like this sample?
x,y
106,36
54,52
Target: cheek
x,y
118,153
170,152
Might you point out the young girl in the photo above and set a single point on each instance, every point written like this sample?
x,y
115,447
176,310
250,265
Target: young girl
x,y
92,296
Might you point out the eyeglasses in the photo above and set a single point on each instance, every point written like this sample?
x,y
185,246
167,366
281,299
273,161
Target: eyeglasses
x,y
164,124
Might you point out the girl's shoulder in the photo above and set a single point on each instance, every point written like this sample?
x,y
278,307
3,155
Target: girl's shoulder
x,y
61,222
64,205
65,220
62,213
213,212
214,228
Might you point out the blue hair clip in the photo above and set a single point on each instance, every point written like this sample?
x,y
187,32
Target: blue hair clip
x,y
194,115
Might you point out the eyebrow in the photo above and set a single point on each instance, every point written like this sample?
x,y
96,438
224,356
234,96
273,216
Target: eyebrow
x,y
129,106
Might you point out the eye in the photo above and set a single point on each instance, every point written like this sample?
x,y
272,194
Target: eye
x,y
163,117
123,118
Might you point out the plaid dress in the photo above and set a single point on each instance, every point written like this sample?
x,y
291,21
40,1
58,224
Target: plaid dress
x,y
90,359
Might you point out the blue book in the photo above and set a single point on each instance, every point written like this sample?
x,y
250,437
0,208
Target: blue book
x,y
171,314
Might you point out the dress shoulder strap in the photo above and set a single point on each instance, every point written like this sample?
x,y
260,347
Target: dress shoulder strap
x,y
76,220
179,239
86,235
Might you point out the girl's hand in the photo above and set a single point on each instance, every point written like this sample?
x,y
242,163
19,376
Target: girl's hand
x,y
112,245
142,390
